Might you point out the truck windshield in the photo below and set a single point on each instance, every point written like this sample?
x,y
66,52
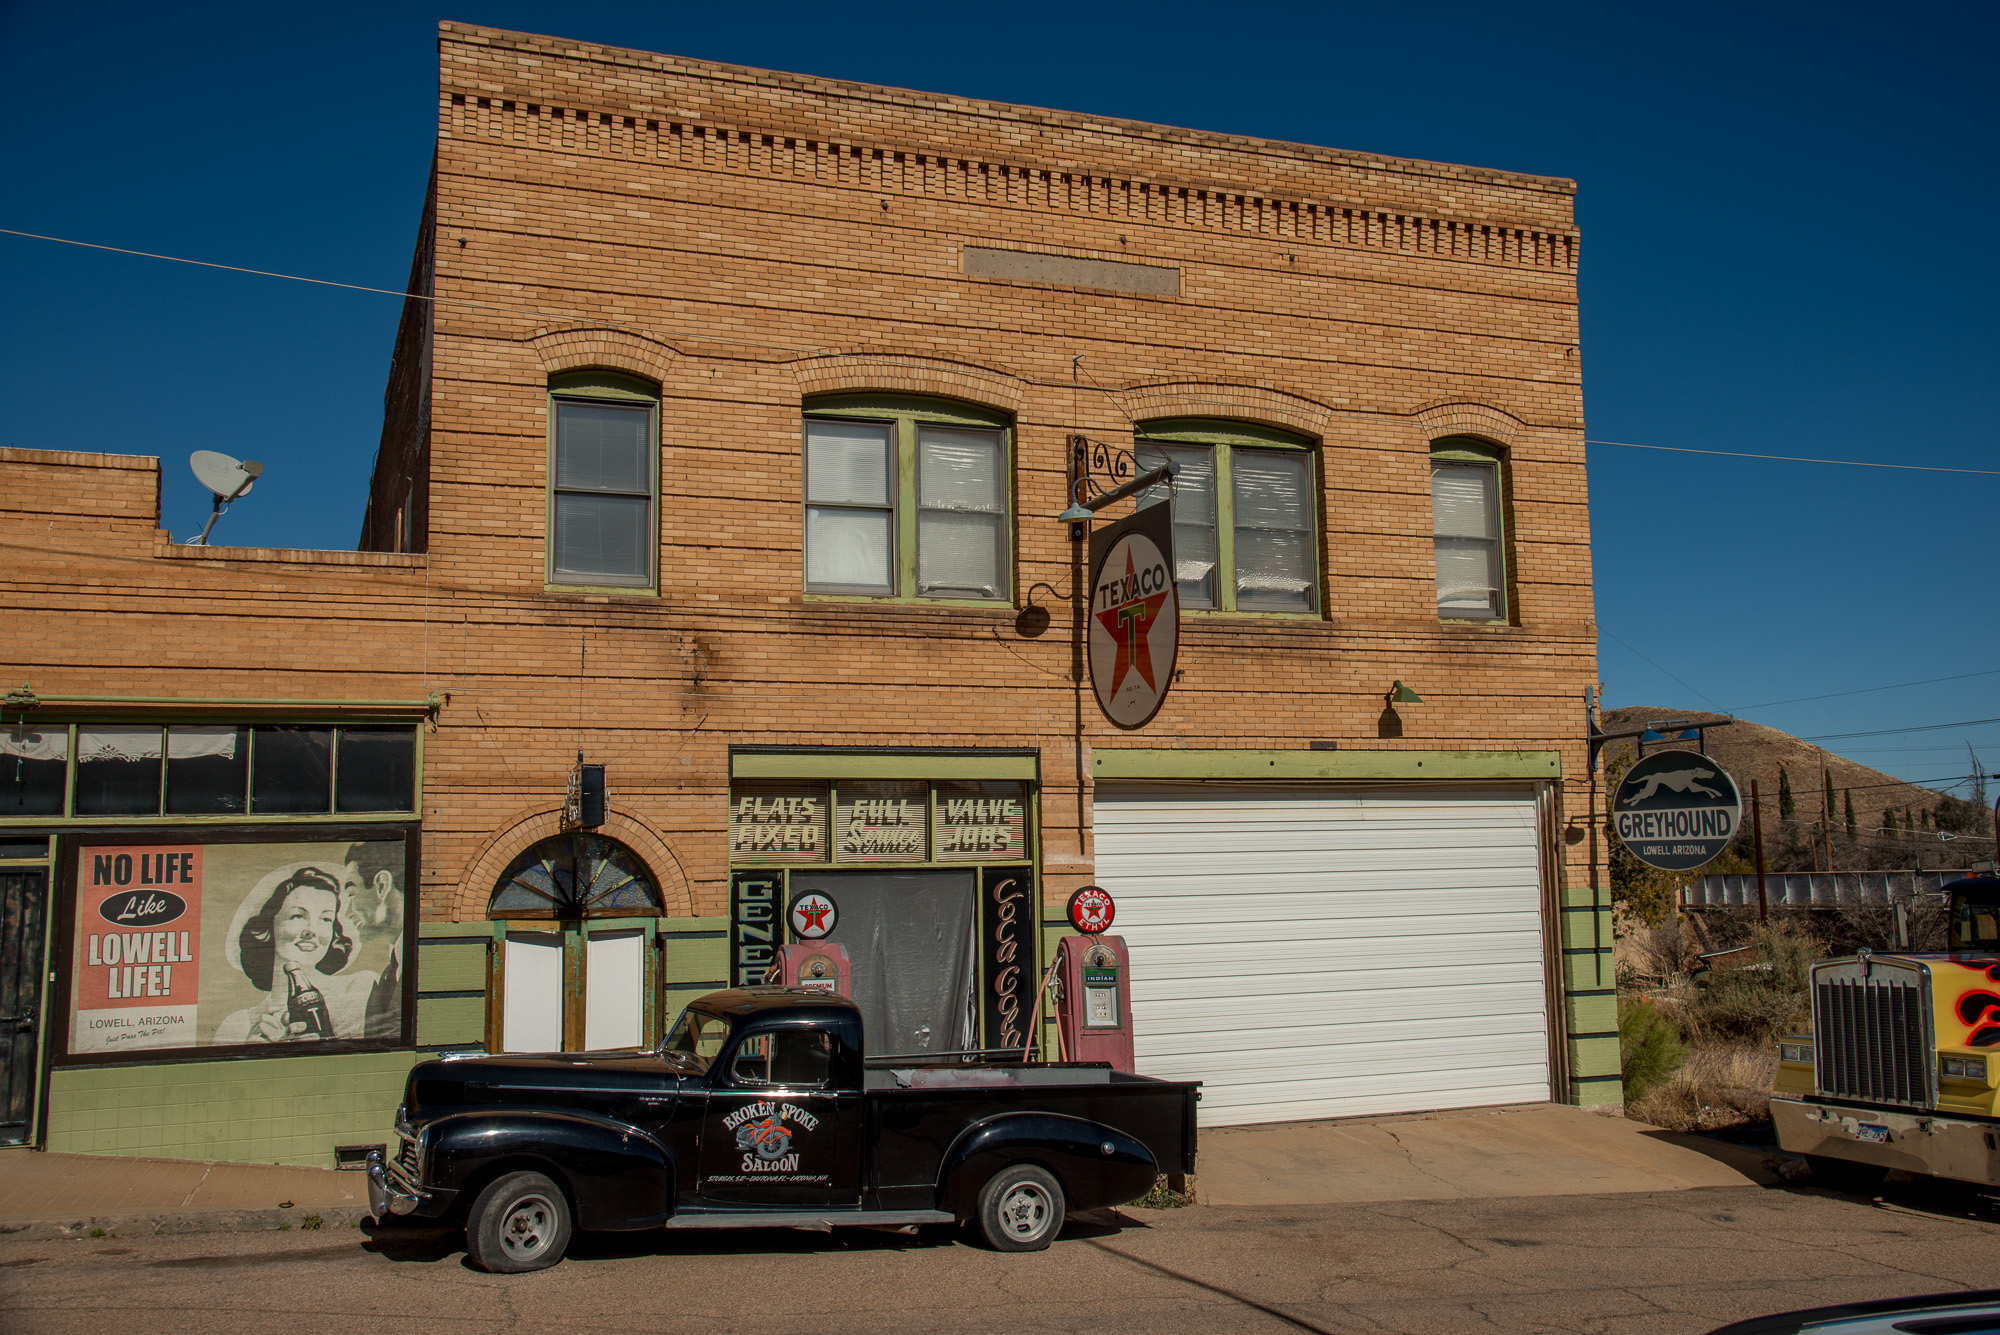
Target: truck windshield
x,y
696,1037
1975,921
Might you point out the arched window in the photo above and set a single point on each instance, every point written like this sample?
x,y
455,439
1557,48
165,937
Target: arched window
x,y
575,875
579,948
1468,527
908,498
1245,514
604,469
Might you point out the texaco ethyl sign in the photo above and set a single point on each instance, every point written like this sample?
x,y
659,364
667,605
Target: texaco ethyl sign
x,y
1676,810
1135,620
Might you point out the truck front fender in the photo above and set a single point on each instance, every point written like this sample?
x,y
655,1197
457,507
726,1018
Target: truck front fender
x,y
1097,1165
616,1176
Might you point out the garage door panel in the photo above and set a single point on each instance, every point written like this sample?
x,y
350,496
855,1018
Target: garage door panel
x,y
1311,953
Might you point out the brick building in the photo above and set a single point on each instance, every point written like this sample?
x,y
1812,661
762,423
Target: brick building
x,y
725,443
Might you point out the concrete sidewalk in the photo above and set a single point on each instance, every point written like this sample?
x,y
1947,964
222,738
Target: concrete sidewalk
x,y
1534,1150
70,1195
1538,1150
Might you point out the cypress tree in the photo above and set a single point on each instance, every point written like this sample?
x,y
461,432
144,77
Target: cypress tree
x,y
1889,822
1787,809
1826,797
1852,829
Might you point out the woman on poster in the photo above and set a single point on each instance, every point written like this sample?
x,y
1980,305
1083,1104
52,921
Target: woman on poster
x,y
292,947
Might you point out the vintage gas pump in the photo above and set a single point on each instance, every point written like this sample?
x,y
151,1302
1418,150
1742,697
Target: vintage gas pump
x,y
809,960
1094,1003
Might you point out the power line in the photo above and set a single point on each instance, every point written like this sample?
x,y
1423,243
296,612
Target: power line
x,y
1711,704
1797,459
1886,732
1863,690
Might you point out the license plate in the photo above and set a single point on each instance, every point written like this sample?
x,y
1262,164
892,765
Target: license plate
x,y
1876,1134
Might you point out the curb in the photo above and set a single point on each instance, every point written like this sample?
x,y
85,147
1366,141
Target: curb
x,y
177,1222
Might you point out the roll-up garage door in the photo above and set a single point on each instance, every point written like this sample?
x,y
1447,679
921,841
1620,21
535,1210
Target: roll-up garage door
x,y
1331,952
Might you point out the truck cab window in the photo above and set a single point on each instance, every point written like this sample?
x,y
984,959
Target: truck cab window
x,y
789,1059
695,1036
1975,923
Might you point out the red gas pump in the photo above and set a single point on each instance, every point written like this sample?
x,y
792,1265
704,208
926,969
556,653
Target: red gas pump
x,y
1094,1003
818,965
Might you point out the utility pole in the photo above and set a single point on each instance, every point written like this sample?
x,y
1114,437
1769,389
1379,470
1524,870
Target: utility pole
x,y
1757,840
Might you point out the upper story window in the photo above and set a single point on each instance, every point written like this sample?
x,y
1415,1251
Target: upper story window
x,y
205,769
603,480
908,498
1245,536
1467,530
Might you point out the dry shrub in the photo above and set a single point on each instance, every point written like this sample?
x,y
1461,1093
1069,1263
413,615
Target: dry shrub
x,y
1649,1046
1716,1089
1758,994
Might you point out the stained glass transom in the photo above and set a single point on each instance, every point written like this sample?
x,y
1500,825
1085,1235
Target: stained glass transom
x,y
575,876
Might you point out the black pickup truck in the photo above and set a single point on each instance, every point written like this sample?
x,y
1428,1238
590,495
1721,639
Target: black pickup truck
x,y
760,1109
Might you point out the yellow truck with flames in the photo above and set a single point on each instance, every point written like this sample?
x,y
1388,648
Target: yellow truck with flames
x,y
1902,1065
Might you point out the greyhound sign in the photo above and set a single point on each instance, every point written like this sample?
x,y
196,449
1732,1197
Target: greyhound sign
x,y
1676,810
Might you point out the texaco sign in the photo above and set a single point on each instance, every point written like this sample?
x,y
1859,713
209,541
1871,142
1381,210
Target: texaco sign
x,y
1134,615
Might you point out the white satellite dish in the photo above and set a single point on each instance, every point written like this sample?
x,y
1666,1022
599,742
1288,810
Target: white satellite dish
x,y
224,476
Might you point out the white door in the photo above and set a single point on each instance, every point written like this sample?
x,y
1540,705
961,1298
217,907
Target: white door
x,y
614,1002
531,1018
1331,952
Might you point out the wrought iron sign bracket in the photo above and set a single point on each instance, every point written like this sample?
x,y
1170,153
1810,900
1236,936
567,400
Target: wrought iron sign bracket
x,y
1101,475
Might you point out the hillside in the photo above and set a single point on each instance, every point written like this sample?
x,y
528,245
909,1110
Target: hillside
x,y
1752,751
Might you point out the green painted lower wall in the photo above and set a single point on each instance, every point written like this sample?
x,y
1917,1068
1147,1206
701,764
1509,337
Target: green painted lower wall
x,y
287,1110
1590,997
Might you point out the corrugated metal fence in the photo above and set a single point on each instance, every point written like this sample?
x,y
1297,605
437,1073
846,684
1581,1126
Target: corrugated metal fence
x,y
1815,889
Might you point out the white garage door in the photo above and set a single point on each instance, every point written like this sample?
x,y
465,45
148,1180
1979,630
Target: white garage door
x,y
1330,952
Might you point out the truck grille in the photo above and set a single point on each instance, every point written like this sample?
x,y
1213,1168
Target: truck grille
x,y
1870,1039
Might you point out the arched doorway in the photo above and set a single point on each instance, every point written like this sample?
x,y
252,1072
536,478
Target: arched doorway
x,y
579,917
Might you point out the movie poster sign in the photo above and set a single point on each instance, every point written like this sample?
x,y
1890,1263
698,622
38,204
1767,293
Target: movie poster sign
x,y
183,946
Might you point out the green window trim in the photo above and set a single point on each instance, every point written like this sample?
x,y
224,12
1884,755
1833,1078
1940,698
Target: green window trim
x,y
1225,439
1128,762
617,389
905,413
844,765
1473,450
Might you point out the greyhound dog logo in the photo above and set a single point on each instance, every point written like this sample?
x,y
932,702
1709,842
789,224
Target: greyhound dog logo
x,y
1679,780
766,1138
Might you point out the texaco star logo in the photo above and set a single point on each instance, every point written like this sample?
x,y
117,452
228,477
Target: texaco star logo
x,y
813,915
1134,616
1091,910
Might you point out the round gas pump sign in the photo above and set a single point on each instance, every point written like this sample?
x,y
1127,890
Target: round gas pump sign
x,y
1091,910
813,915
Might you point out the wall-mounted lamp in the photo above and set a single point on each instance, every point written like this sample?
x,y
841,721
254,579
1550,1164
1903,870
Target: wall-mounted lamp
x,y
1399,694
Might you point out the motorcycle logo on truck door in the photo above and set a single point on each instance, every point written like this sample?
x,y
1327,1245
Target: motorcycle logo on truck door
x,y
765,1131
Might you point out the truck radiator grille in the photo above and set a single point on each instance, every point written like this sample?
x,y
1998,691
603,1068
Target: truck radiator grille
x,y
1870,1041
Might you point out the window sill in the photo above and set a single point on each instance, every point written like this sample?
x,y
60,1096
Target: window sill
x,y
600,591
1235,614
902,600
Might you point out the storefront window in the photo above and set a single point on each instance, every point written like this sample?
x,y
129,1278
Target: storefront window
x,y
34,770
294,771
117,770
207,770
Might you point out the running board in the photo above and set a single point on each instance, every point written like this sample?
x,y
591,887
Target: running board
x,y
817,1220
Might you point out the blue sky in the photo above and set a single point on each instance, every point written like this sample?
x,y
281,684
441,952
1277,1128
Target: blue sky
x,y
1787,214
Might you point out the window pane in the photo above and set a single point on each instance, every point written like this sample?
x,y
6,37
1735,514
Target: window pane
x,y
208,771
1194,516
1275,554
961,555
600,447
602,537
1468,583
848,548
378,770
847,462
117,771
960,470
1463,504
34,768
292,771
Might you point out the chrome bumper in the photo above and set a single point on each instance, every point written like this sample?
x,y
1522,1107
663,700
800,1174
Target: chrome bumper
x,y
388,1194
1916,1142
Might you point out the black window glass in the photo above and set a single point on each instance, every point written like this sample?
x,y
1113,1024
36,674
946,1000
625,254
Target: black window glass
x,y
34,770
292,774
208,770
378,770
117,770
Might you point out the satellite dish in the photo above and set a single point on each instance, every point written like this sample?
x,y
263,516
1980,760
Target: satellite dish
x,y
224,476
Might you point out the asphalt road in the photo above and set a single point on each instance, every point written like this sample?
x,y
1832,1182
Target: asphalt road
x,y
1645,1264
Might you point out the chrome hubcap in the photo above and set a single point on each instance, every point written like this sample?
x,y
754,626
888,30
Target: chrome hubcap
x,y
528,1228
1024,1211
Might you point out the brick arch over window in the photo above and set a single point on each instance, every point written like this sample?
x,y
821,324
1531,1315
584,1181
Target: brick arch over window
x,y
578,347
1243,403
1468,419
475,887
930,377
